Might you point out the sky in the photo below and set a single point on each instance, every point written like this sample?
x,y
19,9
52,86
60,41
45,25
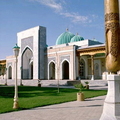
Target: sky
x,y
85,17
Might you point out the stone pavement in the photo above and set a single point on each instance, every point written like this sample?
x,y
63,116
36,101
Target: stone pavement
x,y
90,109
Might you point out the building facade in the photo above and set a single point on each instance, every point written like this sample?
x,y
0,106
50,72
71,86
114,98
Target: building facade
x,y
72,58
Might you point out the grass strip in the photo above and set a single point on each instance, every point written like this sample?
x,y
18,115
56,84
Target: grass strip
x,y
31,97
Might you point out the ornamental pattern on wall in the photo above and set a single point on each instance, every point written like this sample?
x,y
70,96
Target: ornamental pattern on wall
x,y
111,16
51,59
64,57
27,42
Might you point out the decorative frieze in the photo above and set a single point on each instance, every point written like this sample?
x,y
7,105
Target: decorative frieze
x,y
27,42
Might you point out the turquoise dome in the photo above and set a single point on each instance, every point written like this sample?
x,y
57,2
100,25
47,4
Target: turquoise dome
x,y
94,39
77,38
64,38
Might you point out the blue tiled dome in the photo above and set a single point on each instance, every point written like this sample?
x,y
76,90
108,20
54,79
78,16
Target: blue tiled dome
x,y
77,38
64,38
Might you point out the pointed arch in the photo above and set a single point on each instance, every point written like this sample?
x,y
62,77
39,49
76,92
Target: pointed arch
x,y
10,72
26,47
65,69
82,69
27,67
51,70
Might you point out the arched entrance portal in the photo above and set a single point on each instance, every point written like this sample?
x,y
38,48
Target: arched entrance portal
x,y
27,65
9,72
52,70
82,69
65,70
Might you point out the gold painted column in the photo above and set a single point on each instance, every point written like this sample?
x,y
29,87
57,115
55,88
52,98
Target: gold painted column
x,y
92,67
111,107
112,33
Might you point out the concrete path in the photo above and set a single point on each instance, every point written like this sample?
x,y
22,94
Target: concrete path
x,y
90,109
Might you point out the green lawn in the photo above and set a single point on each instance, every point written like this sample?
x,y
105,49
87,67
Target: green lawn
x,y
31,97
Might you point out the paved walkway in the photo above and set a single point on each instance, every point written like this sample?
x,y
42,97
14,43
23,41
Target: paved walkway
x,y
90,109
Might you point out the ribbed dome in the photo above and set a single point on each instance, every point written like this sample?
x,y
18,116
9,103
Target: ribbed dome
x,y
94,39
64,38
77,38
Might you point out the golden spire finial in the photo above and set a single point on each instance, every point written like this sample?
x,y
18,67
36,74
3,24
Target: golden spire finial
x,y
67,29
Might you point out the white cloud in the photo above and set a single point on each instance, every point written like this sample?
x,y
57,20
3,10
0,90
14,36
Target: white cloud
x,y
75,17
51,3
57,5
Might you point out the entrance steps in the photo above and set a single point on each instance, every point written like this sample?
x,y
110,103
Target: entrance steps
x,y
54,82
96,82
73,82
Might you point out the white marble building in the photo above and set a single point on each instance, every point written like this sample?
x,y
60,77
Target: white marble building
x,y
69,59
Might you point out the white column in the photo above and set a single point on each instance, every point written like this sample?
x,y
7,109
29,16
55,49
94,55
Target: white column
x,y
6,76
111,108
92,67
74,63
48,71
79,67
